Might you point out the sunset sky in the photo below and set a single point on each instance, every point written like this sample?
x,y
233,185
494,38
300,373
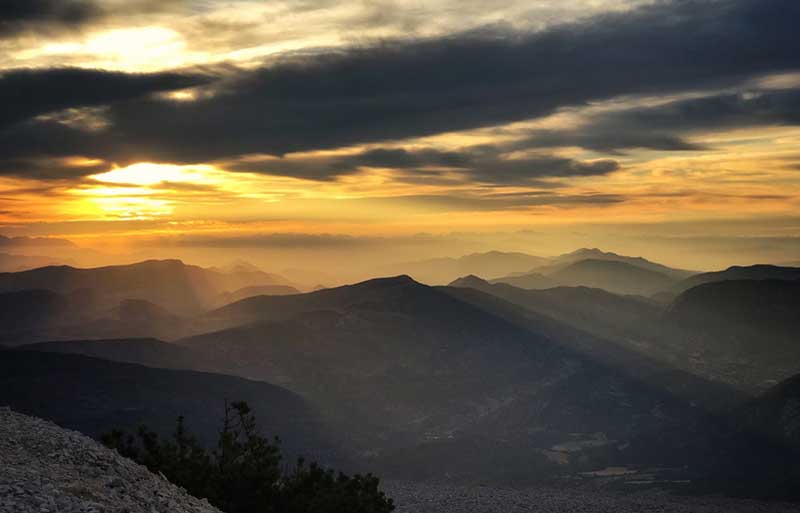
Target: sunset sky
x,y
668,128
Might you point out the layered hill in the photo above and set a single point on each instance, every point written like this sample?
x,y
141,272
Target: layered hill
x,y
258,290
752,272
41,315
741,331
492,264
142,351
171,284
95,396
613,276
593,310
737,332
533,280
404,365
597,254
598,269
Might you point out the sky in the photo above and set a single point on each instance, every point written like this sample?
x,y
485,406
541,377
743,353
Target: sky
x,y
396,130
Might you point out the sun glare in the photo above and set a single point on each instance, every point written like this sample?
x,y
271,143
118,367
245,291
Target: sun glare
x,y
148,173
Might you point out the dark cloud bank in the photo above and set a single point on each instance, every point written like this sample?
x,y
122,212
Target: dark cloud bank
x,y
403,89
24,15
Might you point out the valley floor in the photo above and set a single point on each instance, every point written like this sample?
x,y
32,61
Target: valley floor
x,y
443,498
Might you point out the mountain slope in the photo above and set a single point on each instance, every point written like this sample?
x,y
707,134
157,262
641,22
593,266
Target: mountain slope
x,y
613,276
404,366
776,413
41,315
596,254
608,329
25,314
258,290
740,331
142,351
94,396
528,281
610,277
171,284
753,272
593,310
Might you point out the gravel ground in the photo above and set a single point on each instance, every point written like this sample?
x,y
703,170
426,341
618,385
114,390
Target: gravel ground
x,y
47,469
433,498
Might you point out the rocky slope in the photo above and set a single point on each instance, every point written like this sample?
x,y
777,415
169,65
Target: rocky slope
x,y
44,468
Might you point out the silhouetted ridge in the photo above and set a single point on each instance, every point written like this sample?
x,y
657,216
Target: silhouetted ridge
x,y
95,396
751,272
171,284
598,254
614,276
142,351
471,281
445,269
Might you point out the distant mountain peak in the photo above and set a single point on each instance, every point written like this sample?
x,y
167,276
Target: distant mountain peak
x,y
469,280
388,281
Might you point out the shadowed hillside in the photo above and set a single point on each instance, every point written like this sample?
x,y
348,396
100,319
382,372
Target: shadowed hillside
x,y
94,396
409,366
753,272
740,331
143,351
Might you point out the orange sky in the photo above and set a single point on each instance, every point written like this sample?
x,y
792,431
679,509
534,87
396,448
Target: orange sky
x,y
743,174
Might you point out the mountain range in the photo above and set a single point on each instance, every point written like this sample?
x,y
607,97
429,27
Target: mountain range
x,y
598,269
475,380
438,271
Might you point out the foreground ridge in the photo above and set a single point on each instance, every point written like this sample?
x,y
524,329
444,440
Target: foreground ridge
x,y
47,469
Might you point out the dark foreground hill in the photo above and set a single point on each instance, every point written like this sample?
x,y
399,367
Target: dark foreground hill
x,y
94,396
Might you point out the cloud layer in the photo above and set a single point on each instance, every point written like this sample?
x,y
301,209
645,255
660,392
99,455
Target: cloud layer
x,y
406,89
